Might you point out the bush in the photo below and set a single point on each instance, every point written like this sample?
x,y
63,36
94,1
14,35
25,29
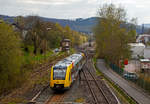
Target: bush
x,y
10,58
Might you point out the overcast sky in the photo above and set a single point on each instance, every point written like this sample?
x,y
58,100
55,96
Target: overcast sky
x,y
71,9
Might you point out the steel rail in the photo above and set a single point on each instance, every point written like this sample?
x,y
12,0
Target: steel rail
x,y
98,86
95,98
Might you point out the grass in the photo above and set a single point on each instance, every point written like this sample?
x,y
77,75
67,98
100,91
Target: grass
x,y
72,50
11,103
123,96
44,80
31,58
16,101
144,81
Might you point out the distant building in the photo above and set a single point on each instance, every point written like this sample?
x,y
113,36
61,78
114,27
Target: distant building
x,y
147,53
23,31
145,65
137,50
144,38
65,45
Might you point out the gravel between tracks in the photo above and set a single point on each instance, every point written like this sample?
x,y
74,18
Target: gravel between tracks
x,y
79,92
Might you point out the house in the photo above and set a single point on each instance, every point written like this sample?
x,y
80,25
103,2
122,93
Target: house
x,y
145,64
147,53
144,38
137,50
65,45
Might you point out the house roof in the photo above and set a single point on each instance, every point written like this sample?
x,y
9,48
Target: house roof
x,y
136,44
144,60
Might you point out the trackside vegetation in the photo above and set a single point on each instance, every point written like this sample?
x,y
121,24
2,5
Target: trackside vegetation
x,y
113,33
27,44
10,58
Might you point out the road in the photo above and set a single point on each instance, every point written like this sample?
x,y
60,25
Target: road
x,y
132,90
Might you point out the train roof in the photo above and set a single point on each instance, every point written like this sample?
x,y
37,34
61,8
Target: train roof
x,y
73,59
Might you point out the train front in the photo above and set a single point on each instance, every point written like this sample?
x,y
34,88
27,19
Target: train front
x,y
58,76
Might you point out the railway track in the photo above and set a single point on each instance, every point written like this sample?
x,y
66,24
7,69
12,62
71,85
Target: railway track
x,y
96,91
99,91
42,70
102,83
55,99
45,66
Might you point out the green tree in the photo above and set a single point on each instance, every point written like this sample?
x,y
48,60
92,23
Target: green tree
x,y
36,34
54,38
10,57
111,38
67,32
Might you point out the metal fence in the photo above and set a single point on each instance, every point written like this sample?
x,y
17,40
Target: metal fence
x,y
141,81
116,69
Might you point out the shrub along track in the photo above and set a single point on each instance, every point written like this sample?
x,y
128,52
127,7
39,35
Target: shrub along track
x,y
33,85
46,66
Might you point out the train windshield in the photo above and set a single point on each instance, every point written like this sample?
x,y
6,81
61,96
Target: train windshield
x,y
59,73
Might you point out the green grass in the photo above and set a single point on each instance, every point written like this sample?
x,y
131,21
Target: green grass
x,y
72,50
11,103
127,98
31,58
44,80
42,56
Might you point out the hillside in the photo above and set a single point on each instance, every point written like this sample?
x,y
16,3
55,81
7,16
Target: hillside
x,y
7,18
80,24
147,25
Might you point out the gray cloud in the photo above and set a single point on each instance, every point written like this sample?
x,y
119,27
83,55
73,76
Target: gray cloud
x,y
70,9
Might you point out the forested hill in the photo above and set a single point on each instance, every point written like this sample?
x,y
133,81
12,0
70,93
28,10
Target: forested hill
x,y
80,25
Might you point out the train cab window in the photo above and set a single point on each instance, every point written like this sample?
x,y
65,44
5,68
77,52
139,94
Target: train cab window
x,y
59,73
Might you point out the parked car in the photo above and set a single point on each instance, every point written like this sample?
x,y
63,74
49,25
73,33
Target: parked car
x,y
130,75
56,50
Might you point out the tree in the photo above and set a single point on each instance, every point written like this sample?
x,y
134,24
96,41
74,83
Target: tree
x,y
10,57
54,38
36,33
46,35
111,37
